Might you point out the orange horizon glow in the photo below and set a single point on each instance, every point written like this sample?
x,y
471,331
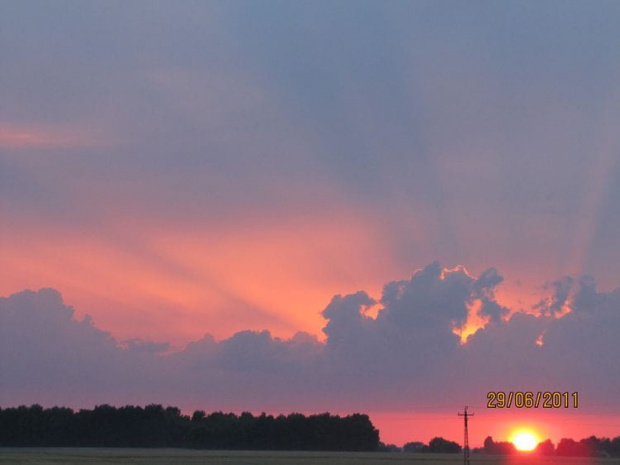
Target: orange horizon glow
x,y
402,427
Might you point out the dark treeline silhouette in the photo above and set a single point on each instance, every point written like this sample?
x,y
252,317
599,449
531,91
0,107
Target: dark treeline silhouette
x,y
588,447
436,445
156,426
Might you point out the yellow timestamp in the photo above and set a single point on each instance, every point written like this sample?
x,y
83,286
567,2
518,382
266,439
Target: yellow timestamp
x,y
530,399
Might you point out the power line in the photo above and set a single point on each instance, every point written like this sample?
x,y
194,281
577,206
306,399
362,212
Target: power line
x,y
465,415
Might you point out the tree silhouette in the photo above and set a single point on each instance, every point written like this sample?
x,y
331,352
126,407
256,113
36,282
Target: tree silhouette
x,y
498,448
156,426
443,446
545,448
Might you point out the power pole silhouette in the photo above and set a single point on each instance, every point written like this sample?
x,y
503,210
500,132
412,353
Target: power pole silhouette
x,y
466,441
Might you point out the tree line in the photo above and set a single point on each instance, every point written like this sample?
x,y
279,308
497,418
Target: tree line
x,y
587,447
156,426
437,445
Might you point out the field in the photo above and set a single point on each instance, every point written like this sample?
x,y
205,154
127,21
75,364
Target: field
x,y
88,456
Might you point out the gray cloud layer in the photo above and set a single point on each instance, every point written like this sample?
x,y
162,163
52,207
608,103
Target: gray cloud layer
x,y
408,356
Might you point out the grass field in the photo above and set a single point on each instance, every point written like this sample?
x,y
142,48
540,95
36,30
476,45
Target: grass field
x,y
87,456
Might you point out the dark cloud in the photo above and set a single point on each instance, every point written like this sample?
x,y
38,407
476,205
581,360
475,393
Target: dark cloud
x,y
408,353
140,345
560,293
46,351
587,340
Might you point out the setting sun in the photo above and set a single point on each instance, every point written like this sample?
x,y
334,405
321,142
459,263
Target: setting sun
x,y
525,440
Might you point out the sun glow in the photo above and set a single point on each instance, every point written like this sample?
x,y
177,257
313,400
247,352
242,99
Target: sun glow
x,y
474,322
524,440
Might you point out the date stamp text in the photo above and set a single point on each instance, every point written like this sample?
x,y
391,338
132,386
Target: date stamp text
x,y
530,399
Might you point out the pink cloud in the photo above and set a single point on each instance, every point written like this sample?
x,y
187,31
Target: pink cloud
x,y
34,136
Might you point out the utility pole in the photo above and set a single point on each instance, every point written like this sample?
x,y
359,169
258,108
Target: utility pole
x,y
466,441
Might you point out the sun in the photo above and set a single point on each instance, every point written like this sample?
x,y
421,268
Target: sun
x,y
525,440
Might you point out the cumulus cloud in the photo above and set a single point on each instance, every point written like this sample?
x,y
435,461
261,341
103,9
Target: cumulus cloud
x,y
45,350
587,341
408,355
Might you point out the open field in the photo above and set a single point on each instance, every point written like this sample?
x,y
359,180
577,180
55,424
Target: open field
x,y
88,456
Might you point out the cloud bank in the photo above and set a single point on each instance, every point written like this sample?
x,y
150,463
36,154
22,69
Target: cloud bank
x,y
403,350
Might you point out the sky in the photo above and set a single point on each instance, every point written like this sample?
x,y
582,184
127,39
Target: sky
x,y
388,207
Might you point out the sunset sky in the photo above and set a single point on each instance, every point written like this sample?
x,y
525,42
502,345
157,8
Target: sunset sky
x,y
307,206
